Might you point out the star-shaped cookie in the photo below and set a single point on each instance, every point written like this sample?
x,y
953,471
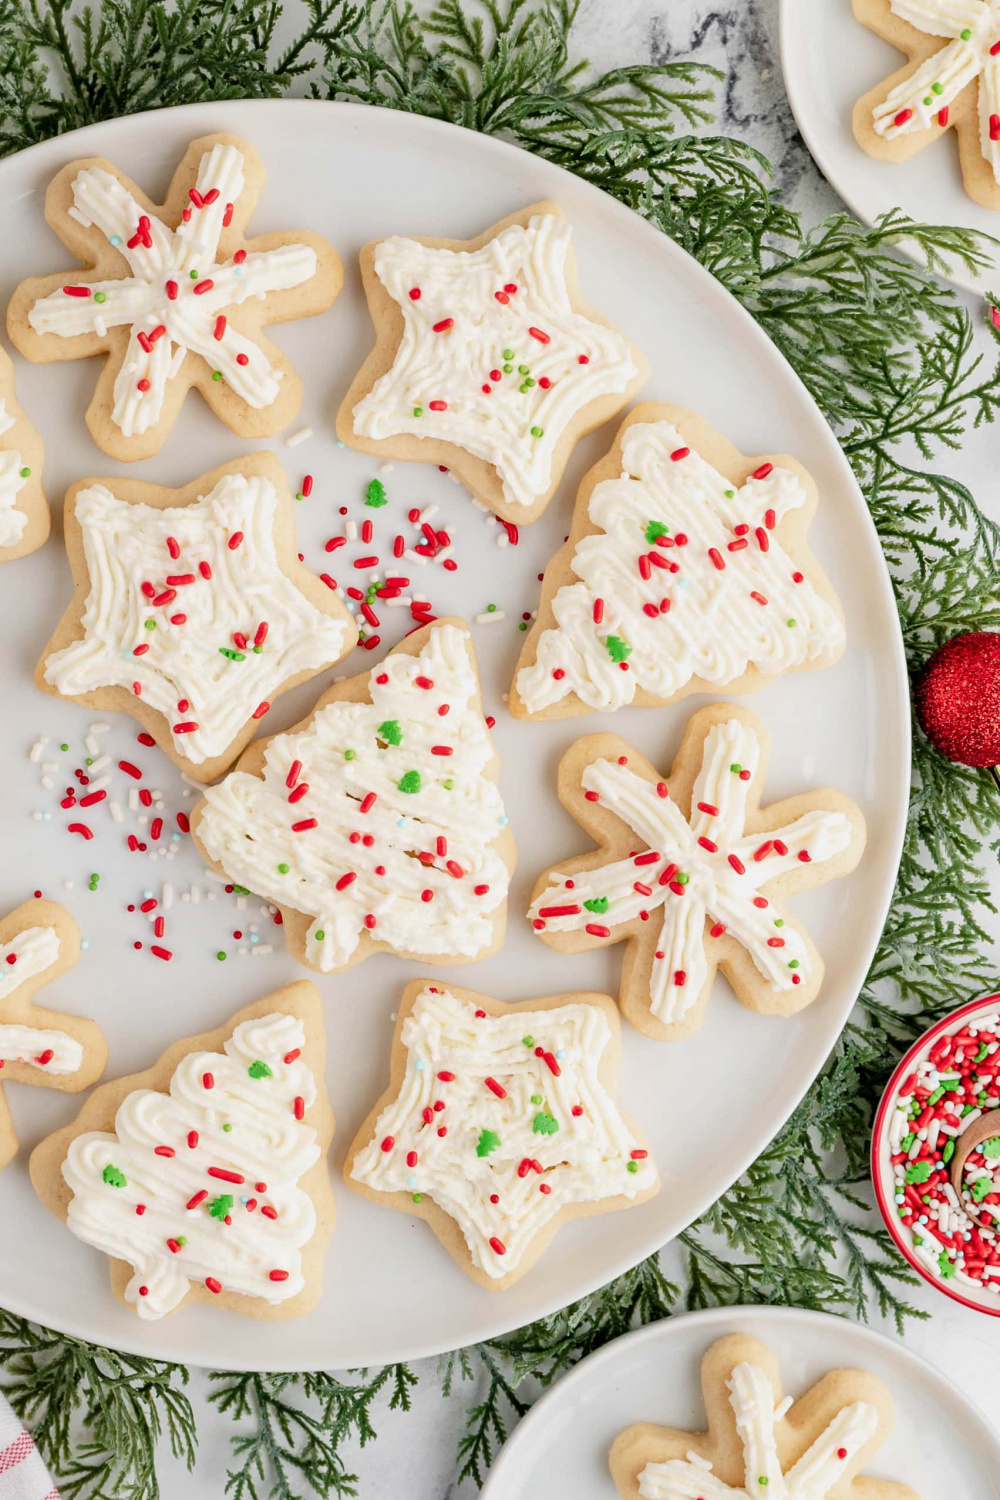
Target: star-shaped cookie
x,y
46,1048
692,873
760,1442
499,1124
486,360
175,296
191,610
24,510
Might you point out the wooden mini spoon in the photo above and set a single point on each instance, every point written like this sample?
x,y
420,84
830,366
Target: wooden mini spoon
x,y
981,1130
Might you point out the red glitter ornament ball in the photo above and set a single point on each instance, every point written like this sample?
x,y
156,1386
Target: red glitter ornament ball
x,y
958,699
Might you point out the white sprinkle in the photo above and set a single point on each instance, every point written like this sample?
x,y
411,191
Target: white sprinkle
x,y
351,530
427,514
386,468
91,745
101,328
133,798
167,897
74,213
705,1463
100,763
214,875
35,753
195,894
46,782
503,540
114,808
295,438
444,552
241,903
415,557
261,949
99,728
67,885
402,602
96,783
490,616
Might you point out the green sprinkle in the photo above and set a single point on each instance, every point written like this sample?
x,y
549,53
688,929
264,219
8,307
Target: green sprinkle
x,y
375,494
221,956
507,369
25,473
536,1098
194,275
544,1124
983,1049
793,963
965,33
736,768
100,297
508,354
418,411
350,754
945,1266
991,1148
390,731
113,1177
523,387
538,432
529,1041
149,624
227,1128
448,785
597,904
524,369
918,1171
418,1197
221,1206
631,1166
907,1141
779,921
791,624
320,935
181,1240
980,1188
216,374
618,649
283,869
63,747
929,100
257,650
410,782
523,625
529,382
730,494
682,878
259,1069
653,530
937,88
232,655
488,1141
762,1479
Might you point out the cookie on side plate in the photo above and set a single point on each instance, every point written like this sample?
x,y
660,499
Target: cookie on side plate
x,y
205,1178
175,296
191,610
950,81
376,823
24,510
486,360
686,571
499,1124
38,942
809,1449
692,873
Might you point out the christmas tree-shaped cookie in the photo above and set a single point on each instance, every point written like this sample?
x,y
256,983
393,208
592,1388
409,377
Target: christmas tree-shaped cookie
x,y
375,823
486,359
38,942
192,610
686,570
24,510
500,1123
692,872
205,1178
758,1441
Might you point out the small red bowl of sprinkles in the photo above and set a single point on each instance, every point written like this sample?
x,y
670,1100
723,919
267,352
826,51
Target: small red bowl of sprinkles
x,y
945,1087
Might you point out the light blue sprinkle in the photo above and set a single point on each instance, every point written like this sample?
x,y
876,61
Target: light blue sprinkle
x,y
400,822
419,1065
116,239
683,583
411,1182
175,838
85,943
503,821
146,895
340,444
244,1200
254,937
561,1053
46,817
238,270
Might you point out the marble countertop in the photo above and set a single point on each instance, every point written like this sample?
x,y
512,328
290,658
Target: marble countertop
x,y
740,37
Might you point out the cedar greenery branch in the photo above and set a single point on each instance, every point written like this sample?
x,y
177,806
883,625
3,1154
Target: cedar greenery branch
x,y
899,369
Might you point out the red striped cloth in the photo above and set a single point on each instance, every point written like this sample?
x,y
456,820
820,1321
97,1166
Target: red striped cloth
x,y
23,1475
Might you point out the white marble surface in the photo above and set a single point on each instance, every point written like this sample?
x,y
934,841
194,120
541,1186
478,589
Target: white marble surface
x,y
415,1452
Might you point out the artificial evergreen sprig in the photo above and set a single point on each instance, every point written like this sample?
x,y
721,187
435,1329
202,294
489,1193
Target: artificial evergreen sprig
x,y
892,360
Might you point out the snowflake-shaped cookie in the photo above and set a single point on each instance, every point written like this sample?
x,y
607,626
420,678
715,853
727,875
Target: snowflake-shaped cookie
x,y
24,511
759,1442
486,359
692,874
686,568
175,296
951,81
38,942
191,610
499,1124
